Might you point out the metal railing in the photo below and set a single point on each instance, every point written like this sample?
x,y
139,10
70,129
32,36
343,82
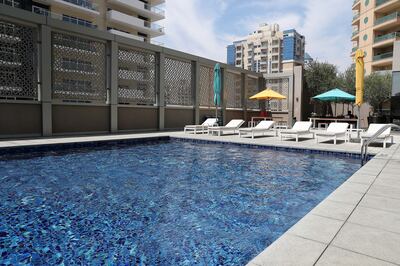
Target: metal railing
x,y
385,37
83,3
380,2
384,19
364,146
383,56
355,33
356,16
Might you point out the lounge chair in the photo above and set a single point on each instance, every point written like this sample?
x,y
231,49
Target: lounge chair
x,y
262,127
233,126
372,129
334,131
299,128
203,128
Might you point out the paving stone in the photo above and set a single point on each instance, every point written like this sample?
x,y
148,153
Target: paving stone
x,y
333,209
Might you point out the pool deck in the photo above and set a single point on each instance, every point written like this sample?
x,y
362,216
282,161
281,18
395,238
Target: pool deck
x,y
358,224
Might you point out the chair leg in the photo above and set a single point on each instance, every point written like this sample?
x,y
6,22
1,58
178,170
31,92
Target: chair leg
x,y
252,134
384,143
297,138
334,140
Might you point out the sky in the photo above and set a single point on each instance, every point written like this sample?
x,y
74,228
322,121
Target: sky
x,y
206,27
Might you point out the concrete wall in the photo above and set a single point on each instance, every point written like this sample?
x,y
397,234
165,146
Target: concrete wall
x,y
176,118
136,118
18,119
80,119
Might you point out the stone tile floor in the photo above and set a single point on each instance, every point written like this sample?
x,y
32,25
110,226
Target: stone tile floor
x,y
358,224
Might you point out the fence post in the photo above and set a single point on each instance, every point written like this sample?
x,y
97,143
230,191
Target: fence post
x,y
244,95
161,90
45,78
113,71
196,90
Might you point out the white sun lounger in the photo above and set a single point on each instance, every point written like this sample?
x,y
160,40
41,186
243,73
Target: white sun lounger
x,y
203,128
299,128
372,129
334,131
262,127
232,126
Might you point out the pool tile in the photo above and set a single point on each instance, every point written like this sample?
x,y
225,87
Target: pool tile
x,y
369,241
340,257
290,250
316,228
334,210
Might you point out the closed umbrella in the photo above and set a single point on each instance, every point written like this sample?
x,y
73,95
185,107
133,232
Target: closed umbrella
x,y
359,57
217,88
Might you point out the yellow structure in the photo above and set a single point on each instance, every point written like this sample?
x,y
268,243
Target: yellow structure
x,y
359,58
376,26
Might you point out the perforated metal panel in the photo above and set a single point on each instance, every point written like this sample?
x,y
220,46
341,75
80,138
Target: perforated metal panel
x,y
206,86
280,85
18,62
78,69
233,91
136,77
178,82
252,88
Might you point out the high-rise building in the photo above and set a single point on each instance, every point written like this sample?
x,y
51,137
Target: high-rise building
x,y
264,50
376,26
293,49
129,18
230,54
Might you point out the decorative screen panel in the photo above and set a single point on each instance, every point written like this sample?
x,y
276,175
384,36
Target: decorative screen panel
x,y
233,90
78,69
252,88
178,82
18,62
206,86
136,77
280,85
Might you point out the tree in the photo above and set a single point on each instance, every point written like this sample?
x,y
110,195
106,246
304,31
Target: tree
x,y
347,80
320,77
378,88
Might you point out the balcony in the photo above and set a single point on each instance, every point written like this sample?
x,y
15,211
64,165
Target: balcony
x,y
82,7
355,35
356,19
125,34
387,22
153,30
383,56
383,6
356,3
354,49
146,10
386,40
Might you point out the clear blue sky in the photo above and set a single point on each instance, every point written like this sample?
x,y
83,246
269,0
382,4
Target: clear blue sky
x,y
206,27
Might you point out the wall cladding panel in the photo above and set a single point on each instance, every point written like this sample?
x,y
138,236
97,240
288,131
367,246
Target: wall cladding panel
x,y
178,118
20,119
79,119
178,82
137,118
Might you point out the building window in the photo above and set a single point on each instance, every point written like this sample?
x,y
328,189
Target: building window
x,y
365,20
366,2
13,3
365,37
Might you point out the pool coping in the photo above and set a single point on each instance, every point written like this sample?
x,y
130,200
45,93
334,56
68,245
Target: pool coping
x,y
317,239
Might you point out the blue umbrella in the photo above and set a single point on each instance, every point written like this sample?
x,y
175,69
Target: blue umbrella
x,y
217,88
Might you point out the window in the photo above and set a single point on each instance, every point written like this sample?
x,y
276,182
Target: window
x,y
78,21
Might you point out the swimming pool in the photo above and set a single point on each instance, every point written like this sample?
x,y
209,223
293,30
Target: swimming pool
x,y
157,203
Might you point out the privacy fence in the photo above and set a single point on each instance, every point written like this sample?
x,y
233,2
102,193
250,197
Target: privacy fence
x,y
57,79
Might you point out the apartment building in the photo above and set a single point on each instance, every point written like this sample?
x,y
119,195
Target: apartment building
x,y
376,26
130,18
264,50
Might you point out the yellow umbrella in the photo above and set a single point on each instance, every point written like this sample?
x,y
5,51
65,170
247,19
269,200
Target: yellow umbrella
x,y
268,94
359,57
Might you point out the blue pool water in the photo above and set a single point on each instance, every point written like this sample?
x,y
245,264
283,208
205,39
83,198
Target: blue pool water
x,y
163,203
